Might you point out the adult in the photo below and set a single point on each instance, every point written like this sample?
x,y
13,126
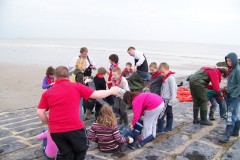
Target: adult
x,y
141,64
65,126
90,63
199,82
232,99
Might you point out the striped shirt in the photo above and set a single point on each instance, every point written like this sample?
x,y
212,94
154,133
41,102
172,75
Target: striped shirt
x,y
107,137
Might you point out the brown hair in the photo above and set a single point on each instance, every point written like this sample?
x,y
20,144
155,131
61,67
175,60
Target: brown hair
x,y
102,71
131,48
153,64
118,70
165,65
128,97
81,64
129,63
106,116
223,71
83,49
61,72
50,71
114,58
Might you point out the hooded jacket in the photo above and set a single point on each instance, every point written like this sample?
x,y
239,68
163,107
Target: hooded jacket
x,y
233,85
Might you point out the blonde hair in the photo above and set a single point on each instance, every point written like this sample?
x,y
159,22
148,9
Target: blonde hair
x,y
81,64
153,64
164,65
106,116
117,70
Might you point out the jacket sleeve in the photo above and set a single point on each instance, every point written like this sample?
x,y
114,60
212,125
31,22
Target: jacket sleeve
x,y
42,135
136,113
236,91
118,138
173,90
140,58
72,64
45,84
215,81
92,135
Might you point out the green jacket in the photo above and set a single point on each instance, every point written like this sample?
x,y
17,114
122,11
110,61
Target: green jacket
x,y
233,85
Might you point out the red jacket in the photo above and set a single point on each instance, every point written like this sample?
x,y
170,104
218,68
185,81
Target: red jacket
x,y
215,78
113,66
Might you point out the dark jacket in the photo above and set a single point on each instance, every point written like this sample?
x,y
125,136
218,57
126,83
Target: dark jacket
x,y
156,84
233,85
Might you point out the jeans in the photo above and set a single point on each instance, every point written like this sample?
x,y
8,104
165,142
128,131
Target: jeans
x,y
232,110
221,103
144,75
169,120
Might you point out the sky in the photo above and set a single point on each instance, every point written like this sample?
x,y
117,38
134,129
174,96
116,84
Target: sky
x,y
197,21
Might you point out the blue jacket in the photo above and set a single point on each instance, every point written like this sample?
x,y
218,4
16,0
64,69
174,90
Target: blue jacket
x,y
233,85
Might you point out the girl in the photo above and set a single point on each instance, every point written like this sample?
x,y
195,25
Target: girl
x,y
152,107
49,147
106,133
48,80
80,67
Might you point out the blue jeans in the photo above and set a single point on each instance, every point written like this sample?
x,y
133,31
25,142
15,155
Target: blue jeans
x,y
221,103
144,75
232,110
169,120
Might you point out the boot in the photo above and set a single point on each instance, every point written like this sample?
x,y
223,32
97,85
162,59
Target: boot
x,y
204,120
195,115
236,129
211,116
145,141
135,134
225,138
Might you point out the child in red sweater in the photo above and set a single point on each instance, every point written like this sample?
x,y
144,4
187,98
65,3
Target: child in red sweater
x,y
106,125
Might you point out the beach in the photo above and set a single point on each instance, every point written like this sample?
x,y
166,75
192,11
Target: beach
x,y
24,61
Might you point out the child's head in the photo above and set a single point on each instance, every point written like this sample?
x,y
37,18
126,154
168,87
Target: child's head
x,y
50,71
128,65
131,51
128,97
164,67
229,62
113,59
116,73
223,72
79,78
81,64
153,68
83,52
102,71
106,116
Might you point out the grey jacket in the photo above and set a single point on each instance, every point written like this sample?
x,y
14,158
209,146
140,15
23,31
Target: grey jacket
x,y
169,90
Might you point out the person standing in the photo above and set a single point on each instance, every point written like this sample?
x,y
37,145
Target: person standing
x,y
90,64
62,101
232,99
141,64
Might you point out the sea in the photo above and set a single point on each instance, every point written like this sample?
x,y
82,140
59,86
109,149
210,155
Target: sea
x,y
183,58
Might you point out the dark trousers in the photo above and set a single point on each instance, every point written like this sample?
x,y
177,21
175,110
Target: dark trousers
x,y
169,120
120,109
72,145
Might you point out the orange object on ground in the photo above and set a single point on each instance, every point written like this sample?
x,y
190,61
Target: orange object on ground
x,y
184,94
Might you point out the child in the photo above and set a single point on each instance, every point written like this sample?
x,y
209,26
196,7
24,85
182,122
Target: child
x,y
100,84
120,107
80,67
48,80
156,79
169,94
113,59
232,97
152,107
105,132
128,70
49,147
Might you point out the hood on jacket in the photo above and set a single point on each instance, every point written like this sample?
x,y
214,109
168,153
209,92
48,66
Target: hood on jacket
x,y
233,57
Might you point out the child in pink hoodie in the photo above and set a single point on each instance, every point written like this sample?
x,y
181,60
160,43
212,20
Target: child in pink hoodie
x,y
49,147
150,107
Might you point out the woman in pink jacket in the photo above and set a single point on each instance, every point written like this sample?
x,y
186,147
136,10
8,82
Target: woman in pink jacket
x,y
150,107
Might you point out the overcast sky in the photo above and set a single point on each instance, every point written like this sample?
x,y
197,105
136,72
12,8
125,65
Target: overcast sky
x,y
203,21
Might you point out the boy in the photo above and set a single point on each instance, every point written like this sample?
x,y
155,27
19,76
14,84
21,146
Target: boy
x,y
232,99
120,107
169,94
128,70
156,79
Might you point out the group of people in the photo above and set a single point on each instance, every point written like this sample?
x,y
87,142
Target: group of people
x,y
72,91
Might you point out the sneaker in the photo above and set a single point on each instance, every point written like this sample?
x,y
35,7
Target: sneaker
x,y
159,133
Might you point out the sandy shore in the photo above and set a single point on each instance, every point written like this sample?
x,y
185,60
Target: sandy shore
x,y
20,86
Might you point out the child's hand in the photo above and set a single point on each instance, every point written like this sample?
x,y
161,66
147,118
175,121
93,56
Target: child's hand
x,y
52,84
130,140
131,127
88,80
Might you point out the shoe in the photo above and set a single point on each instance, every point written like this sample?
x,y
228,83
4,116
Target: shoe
x,y
145,141
133,145
211,116
225,138
123,147
195,116
204,120
236,129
